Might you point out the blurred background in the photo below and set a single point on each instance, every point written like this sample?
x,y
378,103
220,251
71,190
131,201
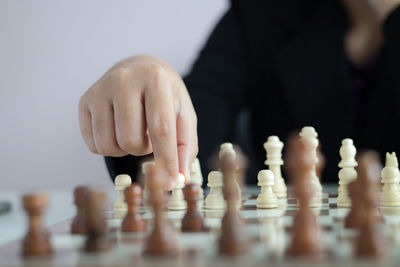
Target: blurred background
x,y
52,51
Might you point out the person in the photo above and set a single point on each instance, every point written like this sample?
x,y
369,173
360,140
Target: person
x,y
268,68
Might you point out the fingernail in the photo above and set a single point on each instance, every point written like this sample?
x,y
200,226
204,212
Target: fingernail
x,y
169,183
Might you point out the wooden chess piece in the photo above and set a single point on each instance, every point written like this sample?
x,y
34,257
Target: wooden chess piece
x,y
162,239
133,221
37,240
356,215
78,223
369,242
96,224
306,234
233,239
192,221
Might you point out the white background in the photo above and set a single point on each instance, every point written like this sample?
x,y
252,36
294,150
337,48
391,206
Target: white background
x,y
52,51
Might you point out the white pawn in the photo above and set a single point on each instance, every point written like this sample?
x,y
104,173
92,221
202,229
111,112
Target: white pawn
x,y
274,147
227,148
347,174
145,167
121,182
267,198
390,180
311,135
196,176
215,199
177,201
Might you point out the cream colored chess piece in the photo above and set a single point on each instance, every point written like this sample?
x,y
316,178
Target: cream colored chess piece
x,y
121,182
347,174
274,147
390,180
145,166
228,148
196,176
267,198
215,199
309,133
177,201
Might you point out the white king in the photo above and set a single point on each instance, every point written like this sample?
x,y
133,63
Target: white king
x,y
274,161
390,180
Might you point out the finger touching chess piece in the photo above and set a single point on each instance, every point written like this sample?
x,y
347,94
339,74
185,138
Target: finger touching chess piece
x,y
133,220
192,221
37,240
78,223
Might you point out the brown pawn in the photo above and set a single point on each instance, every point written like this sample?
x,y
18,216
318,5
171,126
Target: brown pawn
x,y
95,222
369,243
37,240
78,223
306,234
233,239
356,215
162,239
192,221
133,221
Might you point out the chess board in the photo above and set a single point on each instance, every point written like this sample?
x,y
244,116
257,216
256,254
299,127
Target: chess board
x,y
269,229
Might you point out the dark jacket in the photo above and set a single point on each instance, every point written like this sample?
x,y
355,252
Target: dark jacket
x,y
271,67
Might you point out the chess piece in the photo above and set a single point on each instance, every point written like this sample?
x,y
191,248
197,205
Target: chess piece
x,y
267,198
233,239
356,215
145,165
133,221
347,174
390,180
215,199
177,202
274,161
369,242
192,221
78,223
121,182
311,135
162,239
37,240
196,176
227,148
96,224
306,234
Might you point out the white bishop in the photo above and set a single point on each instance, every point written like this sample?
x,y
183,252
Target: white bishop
x,y
347,174
390,180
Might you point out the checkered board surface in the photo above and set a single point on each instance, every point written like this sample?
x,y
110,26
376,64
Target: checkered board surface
x,y
269,229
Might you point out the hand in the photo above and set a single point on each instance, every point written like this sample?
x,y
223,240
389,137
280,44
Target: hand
x,y
141,105
384,7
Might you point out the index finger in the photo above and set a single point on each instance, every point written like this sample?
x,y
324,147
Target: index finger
x,y
161,123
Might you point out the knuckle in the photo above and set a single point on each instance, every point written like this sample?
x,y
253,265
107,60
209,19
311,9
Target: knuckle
x,y
131,144
106,149
123,74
